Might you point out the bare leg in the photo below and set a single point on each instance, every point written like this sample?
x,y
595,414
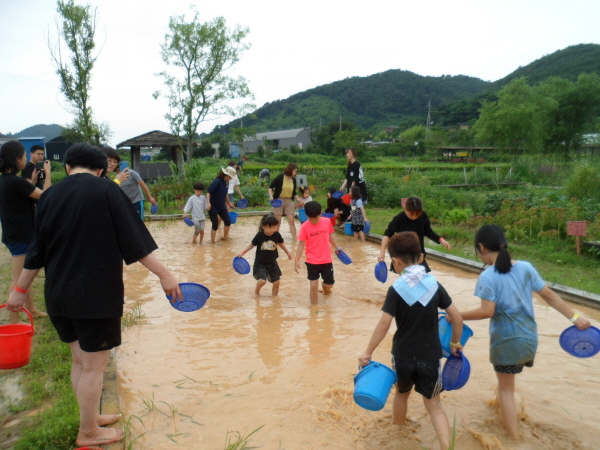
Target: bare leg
x,y
213,236
362,236
292,223
225,232
400,407
356,236
86,379
439,420
506,399
278,217
17,267
194,238
275,289
259,285
327,288
314,292
201,236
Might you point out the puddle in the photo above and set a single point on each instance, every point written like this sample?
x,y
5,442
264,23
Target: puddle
x,y
245,361
11,392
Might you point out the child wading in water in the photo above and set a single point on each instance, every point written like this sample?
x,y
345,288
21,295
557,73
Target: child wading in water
x,y
316,234
359,217
303,199
506,289
265,263
197,205
413,301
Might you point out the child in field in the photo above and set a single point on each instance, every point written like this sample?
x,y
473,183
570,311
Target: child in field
x,y
265,263
337,206
197,205
506,290
413,301
316,234
359,217
303,199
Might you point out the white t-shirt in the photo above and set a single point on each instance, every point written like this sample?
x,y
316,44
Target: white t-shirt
x,y
232,184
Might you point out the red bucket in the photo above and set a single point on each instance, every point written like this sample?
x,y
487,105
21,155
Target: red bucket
x,y
15,343
346,199
333,220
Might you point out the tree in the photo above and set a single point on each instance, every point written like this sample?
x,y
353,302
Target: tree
x,y
76,26
202,53
238,135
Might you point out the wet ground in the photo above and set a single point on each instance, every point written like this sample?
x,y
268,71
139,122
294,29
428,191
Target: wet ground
x,y
244,361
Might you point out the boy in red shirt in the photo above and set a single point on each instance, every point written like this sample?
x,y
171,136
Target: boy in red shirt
x,y
316,234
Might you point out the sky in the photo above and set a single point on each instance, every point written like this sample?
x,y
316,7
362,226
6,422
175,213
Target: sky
x,y
296,45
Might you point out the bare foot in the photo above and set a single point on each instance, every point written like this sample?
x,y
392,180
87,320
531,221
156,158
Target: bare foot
x,y
194,242
99,436
37,314
107,419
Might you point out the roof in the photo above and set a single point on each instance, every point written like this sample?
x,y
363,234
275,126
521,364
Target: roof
x,y
282,134
154,138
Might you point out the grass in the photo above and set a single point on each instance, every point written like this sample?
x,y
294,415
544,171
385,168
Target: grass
x,y
241,440
135,316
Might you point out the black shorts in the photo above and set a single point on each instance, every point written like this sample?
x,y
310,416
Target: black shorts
x,y
512,369
425,376
357,228
324,270
270,272
94,335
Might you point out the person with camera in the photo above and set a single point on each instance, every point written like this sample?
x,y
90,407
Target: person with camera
x,y
36,162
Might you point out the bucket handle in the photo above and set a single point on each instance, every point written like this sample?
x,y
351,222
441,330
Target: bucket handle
x,y
28,314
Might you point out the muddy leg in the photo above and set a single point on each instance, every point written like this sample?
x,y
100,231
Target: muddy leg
x,y
439,420
259,285
275,289
506,399
314,292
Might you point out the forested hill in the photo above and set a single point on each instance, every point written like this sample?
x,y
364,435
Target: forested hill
x,y
394,97
46,131
567,63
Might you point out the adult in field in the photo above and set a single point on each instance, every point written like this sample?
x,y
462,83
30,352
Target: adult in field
x,y
412,218
234,183
283,187
17,209
36,155
85,228
355,175
217,202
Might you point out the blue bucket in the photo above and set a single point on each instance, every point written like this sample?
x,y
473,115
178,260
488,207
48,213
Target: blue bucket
x,y
233,217
445,331
348,229
302,215
372,385
367,227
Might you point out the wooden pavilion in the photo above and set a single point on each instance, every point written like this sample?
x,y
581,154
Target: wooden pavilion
x,y
154,139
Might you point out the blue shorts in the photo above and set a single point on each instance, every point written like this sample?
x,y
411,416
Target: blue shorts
x,y
18,249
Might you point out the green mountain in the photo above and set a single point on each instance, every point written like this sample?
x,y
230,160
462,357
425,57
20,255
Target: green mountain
x,y
567,63
48,132
377,101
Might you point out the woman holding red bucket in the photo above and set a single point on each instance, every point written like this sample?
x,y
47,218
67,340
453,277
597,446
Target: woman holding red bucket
x,y
82,224
17,209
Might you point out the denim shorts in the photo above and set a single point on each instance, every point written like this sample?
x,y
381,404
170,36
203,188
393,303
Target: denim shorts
x,y
18,249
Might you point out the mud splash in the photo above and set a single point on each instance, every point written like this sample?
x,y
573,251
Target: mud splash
x,y
245,361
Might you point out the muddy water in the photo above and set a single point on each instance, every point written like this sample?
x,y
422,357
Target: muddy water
x,y
245,361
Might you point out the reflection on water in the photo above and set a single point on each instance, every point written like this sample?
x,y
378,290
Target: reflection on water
x,y
244,361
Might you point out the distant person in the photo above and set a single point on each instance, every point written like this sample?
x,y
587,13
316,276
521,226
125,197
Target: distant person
x,y
17,211
265,262
316,234
413,302
283,188
506,288
359,216
113,159
234,183
197,205
413,218
85,229
265,174
355,175
36,155
303,199
217,203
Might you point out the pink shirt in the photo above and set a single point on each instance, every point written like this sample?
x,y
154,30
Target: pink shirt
x,y
317,241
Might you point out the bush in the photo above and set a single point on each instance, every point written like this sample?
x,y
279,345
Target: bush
x,y
584,182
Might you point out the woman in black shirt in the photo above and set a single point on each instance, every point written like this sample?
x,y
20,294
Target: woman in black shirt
x,y
17,209
355,175
413,218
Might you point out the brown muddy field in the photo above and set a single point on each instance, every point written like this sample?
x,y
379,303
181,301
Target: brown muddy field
x,y
244,361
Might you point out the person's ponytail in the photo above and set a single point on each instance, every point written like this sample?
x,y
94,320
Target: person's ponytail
x,y
492,237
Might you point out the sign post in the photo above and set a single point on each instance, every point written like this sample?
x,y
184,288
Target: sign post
x,y
577,229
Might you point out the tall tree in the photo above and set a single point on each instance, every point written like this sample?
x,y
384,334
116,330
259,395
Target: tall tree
x,y
203,53
76,26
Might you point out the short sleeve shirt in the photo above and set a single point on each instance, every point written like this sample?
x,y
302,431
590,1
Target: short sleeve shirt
x,y
232,184
85,228
218,193
27,173
132,188
197,205
317,241
17,209
513,331
266,247
417,337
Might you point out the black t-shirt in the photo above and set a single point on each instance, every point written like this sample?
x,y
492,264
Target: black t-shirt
x,y
85,228
356,175
27,173
266,247
17,209
420,225
416,337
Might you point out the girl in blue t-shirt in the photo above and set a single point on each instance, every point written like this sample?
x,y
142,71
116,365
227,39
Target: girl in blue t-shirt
x,y
505,289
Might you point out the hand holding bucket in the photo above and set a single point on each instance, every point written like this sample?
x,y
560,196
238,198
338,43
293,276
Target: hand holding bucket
x,y
15,343
445,331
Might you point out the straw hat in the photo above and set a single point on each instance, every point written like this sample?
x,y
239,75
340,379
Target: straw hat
x,y
230,172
